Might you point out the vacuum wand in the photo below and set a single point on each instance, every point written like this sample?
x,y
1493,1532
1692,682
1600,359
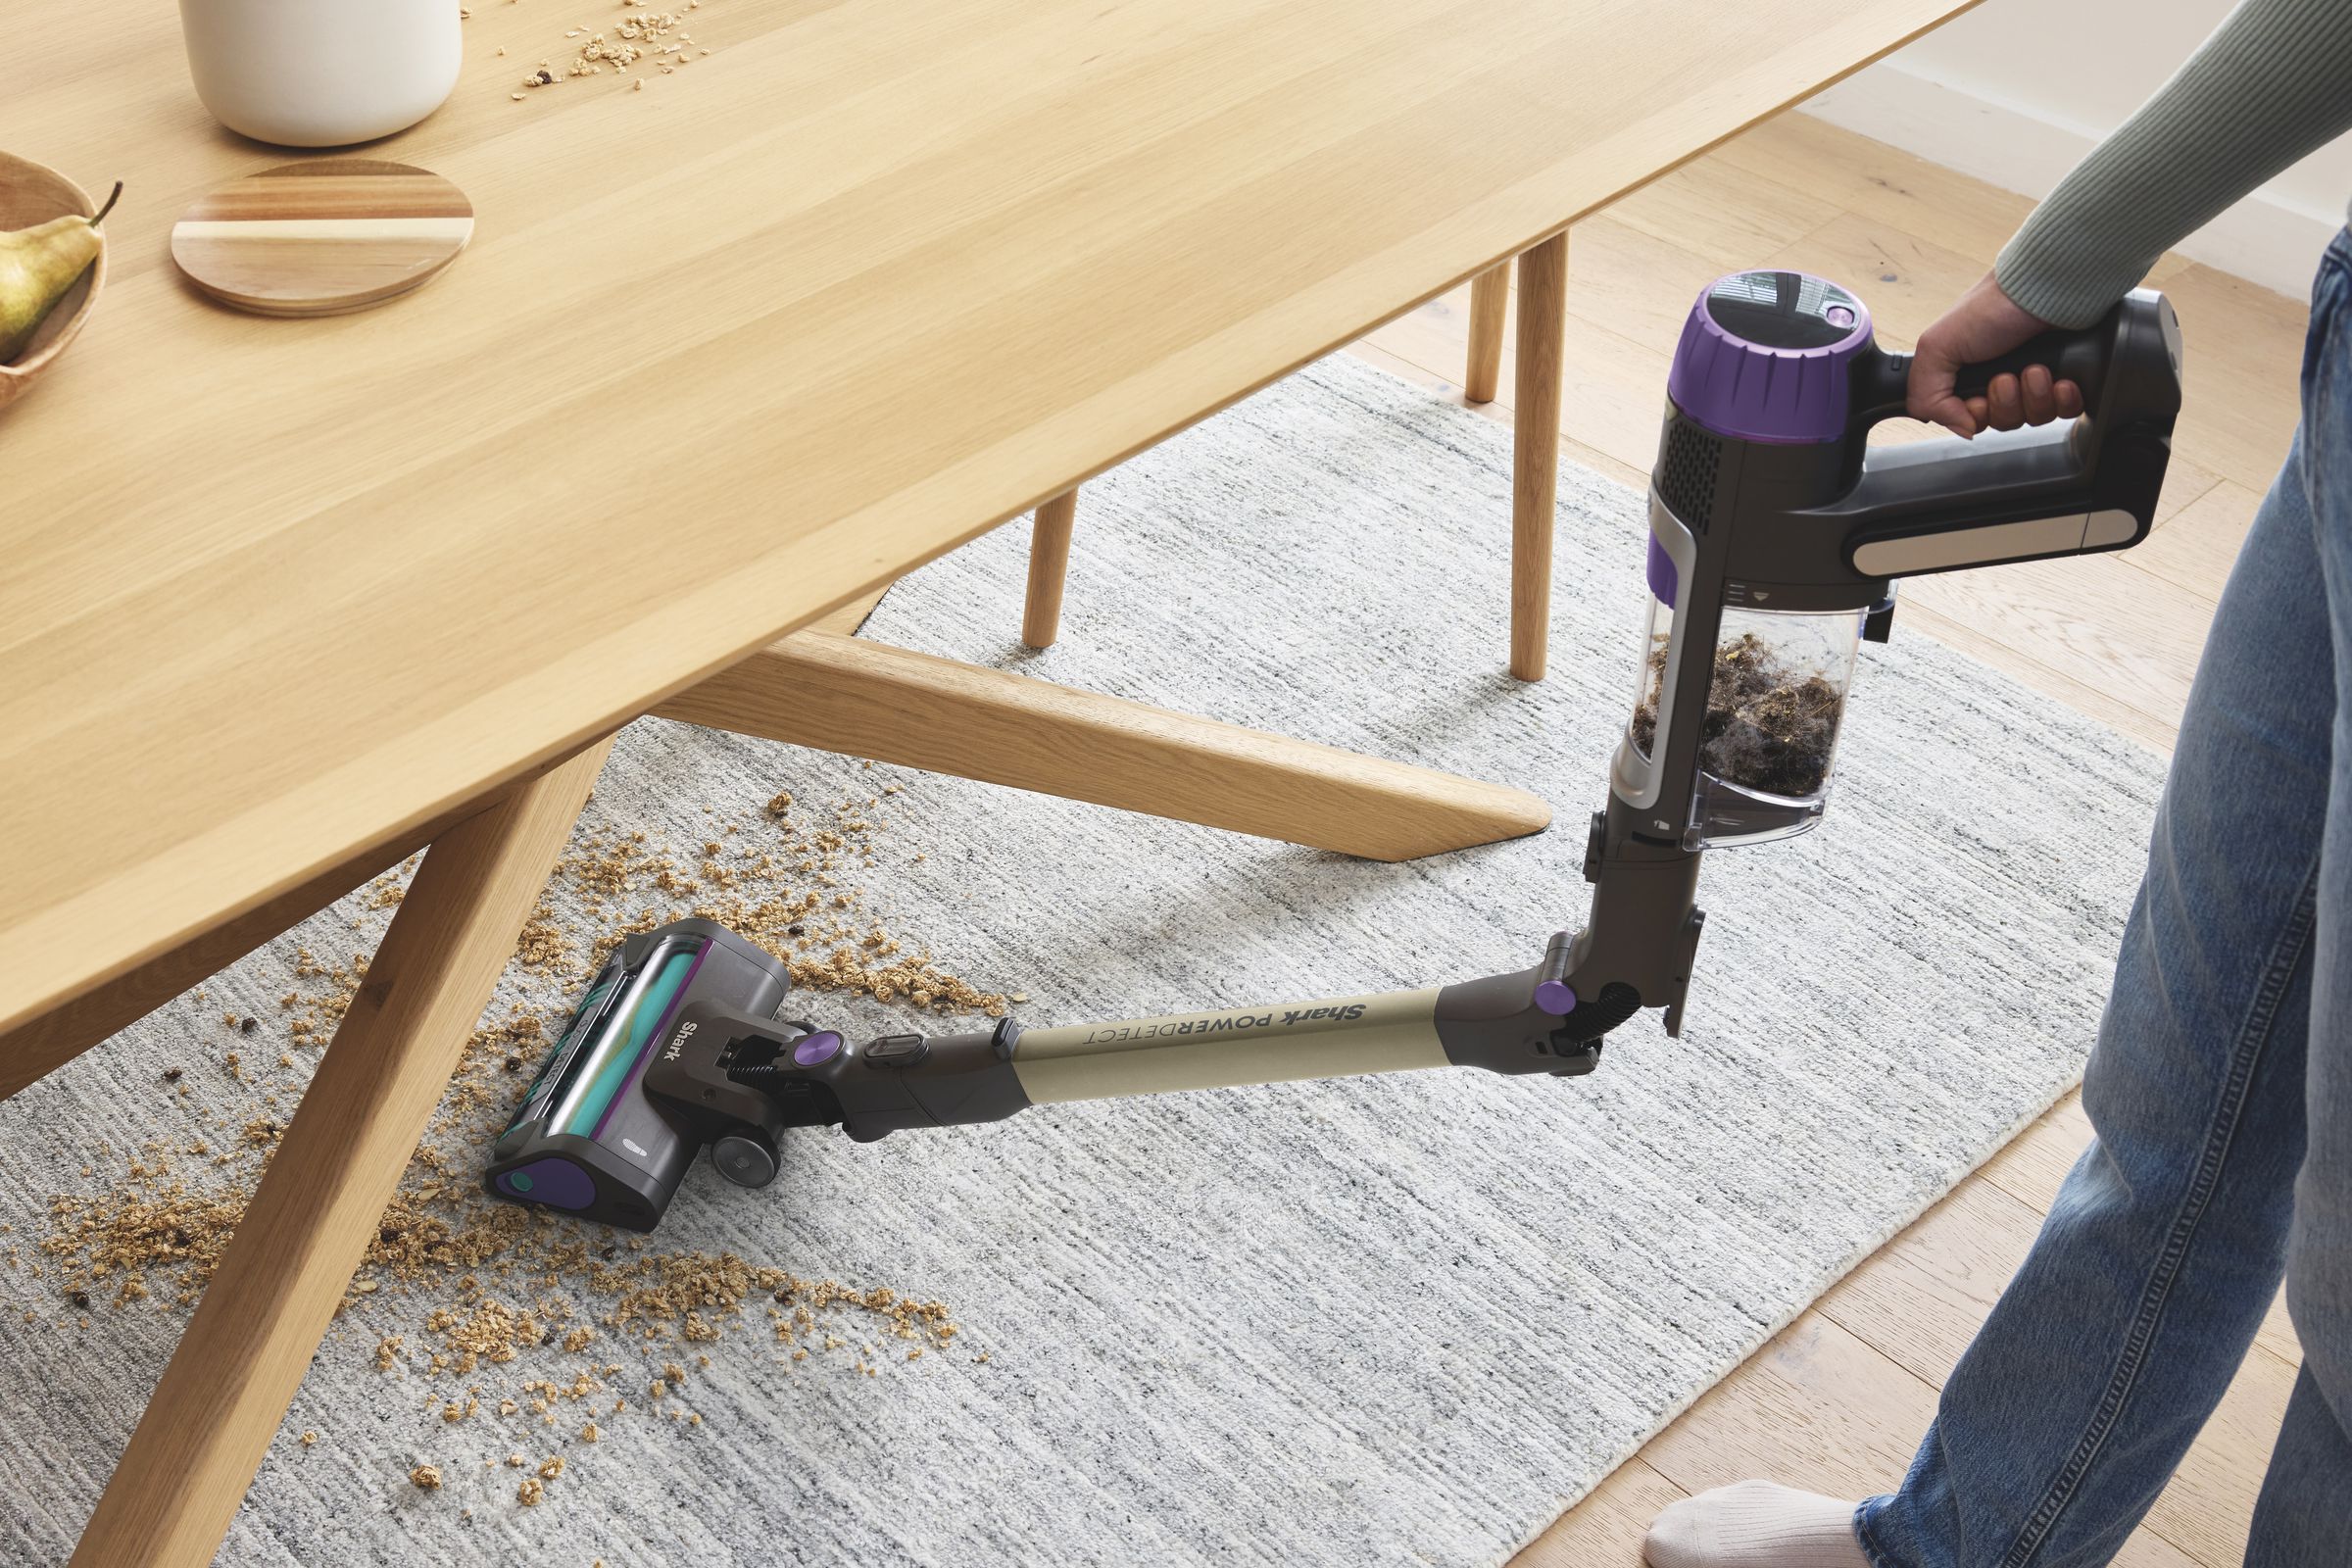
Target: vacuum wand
x,y
1775,534
685,1040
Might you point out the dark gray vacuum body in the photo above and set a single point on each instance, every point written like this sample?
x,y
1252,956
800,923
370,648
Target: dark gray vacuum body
x,y
1776,536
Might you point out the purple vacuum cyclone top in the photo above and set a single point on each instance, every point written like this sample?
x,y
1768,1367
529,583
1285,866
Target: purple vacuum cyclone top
x,y
1763,357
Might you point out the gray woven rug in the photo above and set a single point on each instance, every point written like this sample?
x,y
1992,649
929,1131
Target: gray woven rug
x,y
1385,1321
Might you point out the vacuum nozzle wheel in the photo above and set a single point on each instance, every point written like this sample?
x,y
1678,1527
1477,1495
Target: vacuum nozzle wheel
x,y
746,1157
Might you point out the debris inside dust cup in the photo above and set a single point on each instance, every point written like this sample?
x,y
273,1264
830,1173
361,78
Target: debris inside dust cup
x,y
1771,724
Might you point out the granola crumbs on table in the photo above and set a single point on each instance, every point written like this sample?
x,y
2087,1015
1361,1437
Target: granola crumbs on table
x,y
426,1478
643,36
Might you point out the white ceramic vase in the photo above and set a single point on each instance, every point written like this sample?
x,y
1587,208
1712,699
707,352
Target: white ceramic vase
x,y
321,72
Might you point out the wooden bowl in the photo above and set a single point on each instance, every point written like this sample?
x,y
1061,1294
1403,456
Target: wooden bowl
x,y
29,194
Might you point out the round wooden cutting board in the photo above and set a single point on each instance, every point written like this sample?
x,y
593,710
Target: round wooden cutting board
x,y
316,239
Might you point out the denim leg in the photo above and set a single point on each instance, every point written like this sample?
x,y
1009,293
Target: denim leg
x,y
2163,1250
2304,1517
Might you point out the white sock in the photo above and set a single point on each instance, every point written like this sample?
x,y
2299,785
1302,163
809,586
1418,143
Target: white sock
x,y
1756,1524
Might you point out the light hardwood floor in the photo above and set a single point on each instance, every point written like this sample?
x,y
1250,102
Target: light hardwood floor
x,y
1836,1401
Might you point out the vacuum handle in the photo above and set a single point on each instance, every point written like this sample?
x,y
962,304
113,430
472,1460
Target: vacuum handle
x,y
2139,337
2082,357
2063,489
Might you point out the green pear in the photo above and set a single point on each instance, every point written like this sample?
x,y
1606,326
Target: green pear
x,y
37,265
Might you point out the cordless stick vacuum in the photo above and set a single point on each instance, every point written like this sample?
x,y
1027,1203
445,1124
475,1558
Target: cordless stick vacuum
x,y
1774,541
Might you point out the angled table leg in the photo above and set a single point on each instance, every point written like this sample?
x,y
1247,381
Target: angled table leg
x,y
1489,302
843,694
195,1451
1536,450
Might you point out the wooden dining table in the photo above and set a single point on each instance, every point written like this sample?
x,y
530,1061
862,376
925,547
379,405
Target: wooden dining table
x,y
734,345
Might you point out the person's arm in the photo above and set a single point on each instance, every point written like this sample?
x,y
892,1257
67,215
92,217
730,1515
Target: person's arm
x,y
2273,83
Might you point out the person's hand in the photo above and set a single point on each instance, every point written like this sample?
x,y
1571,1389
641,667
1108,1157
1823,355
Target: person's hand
x,y
1983,325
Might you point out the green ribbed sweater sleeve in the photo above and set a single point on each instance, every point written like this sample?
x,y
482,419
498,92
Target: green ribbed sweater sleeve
x,y
2273,83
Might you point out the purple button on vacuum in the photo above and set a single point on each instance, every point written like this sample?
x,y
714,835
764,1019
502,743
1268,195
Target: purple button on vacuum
x,y
815,1051
1555,998
1664,577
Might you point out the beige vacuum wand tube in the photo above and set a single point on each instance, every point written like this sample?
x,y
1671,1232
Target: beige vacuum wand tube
x,y
1394,1032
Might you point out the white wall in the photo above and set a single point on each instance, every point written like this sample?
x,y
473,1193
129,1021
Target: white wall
x,y
2016,90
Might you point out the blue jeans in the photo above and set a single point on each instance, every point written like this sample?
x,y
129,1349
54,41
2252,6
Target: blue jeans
x,y
2220,1089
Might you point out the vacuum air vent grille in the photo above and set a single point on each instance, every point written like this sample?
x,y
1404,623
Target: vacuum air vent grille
x,y
1686,474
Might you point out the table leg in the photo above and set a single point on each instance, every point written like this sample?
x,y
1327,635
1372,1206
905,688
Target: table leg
x,y
1049,564
1489,302
1536,450
44,1044
221,1400
844,693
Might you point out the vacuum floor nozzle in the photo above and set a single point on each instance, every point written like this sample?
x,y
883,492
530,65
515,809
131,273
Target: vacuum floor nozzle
x,y
587,1139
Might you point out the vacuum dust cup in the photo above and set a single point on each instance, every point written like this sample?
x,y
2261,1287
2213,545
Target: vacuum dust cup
x,y
1767,745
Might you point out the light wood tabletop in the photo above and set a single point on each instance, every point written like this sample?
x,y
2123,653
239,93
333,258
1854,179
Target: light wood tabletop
x,y
727,349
